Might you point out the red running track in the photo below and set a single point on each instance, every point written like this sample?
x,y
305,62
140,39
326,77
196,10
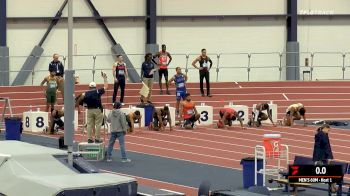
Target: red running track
x,y
225,148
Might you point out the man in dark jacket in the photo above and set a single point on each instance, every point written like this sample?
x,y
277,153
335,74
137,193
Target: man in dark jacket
x,y
322,147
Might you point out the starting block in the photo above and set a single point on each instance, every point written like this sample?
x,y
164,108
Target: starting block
x,y
91,151
172,115
206,113
273,110
242,111
35,121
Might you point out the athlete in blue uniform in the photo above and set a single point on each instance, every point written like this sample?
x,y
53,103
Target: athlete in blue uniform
x,y
180,81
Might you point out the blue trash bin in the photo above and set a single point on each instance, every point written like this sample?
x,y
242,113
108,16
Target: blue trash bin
x,y
13,128
148,112
248,172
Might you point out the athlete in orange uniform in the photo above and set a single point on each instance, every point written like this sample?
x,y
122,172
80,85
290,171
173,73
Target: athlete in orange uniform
x,y
188,112
163,64
227,115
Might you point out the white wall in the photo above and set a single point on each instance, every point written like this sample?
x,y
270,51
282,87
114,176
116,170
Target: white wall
x,y
220,7
48,8
226,36
336,6
89,40
183,36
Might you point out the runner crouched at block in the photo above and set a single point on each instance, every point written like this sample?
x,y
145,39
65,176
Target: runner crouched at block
x,y
188,112
161,117
260,115
227,116
294,112
131,118
56,120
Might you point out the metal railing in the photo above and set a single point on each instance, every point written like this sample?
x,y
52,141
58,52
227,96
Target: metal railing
x,y
266,66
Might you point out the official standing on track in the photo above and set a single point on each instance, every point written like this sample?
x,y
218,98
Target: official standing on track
x,y
147,71
92,99
322,147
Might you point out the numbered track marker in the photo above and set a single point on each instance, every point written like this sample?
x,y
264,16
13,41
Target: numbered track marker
x,y
35,121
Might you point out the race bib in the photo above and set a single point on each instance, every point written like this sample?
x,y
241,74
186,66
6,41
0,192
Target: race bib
x,y
178,94
181,85
190,112
121,72
206,64
163,60
52,85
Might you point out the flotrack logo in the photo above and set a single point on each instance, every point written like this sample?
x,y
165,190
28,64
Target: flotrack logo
x,y
316,12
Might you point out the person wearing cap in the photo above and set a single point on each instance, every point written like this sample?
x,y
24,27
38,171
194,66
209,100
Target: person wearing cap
x,y
92,99
161,117
57,67
163,64
188,112
118,130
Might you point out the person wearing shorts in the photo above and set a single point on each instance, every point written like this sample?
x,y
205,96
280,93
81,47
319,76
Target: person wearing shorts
x,y
294,112
227,116
131,118
164,59
57,67
259,108
188,112
180,81
51,90
161,117
147,70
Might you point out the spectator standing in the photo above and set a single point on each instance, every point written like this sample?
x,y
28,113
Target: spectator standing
x,y
164,59
120,74
57,67
205,65
118,131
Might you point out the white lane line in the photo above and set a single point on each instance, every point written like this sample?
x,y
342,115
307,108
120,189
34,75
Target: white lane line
x,y
284,95
149,179
238,84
